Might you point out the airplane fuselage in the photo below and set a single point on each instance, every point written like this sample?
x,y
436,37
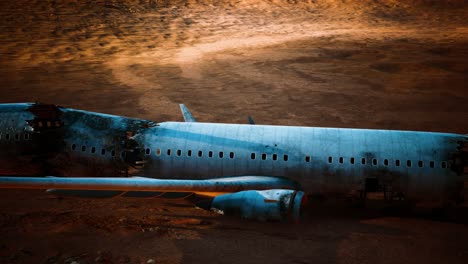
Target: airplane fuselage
x,y
39,140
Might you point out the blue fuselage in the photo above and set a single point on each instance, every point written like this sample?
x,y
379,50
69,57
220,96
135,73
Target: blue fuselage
x,y
48,140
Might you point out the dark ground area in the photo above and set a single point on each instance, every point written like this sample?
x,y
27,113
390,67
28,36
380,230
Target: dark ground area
x,y
364,64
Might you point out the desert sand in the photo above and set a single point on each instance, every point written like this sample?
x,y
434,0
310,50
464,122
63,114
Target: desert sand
x,y
388,64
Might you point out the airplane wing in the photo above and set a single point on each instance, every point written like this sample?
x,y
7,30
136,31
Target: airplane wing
x,y
142,184
251,197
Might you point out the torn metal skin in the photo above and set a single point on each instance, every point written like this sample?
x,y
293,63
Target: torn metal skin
x,y
52,140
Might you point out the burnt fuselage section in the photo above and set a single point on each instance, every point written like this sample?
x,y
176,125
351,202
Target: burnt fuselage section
x,y
39,139
42,140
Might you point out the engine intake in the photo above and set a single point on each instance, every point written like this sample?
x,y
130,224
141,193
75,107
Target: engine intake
x,y
267,205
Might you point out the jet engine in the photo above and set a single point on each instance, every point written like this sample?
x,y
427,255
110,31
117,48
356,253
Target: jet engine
x,y
267,205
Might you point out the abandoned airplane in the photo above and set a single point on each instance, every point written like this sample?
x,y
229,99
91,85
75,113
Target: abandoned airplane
x,y
255,171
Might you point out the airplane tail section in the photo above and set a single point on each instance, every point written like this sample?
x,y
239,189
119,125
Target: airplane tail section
x,y
186,113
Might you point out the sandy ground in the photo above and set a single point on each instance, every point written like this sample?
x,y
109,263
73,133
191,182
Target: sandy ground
x,y
372,64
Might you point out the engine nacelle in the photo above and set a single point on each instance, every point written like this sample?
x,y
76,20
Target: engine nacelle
x,y
268,205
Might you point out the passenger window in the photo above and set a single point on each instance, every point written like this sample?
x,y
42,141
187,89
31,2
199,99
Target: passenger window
x,y
231,155
179,152
285,157
431,164
148,151
158,152
363,161
73,147
93,150
26,136
307,158
17,136
113,153
408,163
200,153
83,148
420,164
168,152
275,157
7,136
341,160
103,152
374,162
189,153
351,160
221,154
263,156
210,154
443,164
252,156
330,159
397,163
